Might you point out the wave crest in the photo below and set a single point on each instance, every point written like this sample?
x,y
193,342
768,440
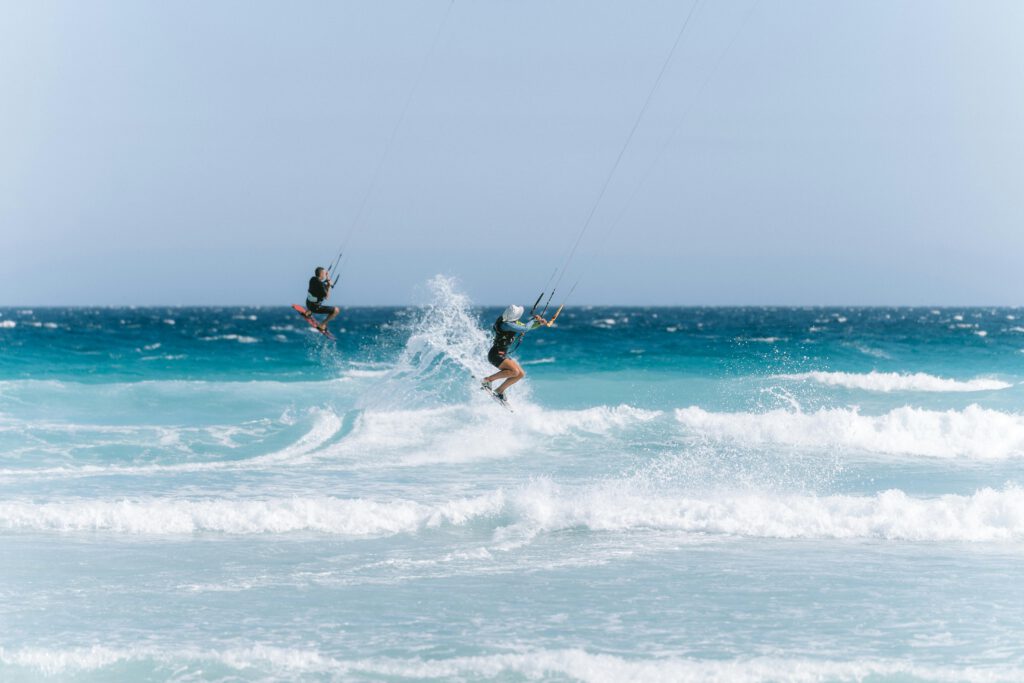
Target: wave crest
x,y
895,381
975,432
519,515
575,664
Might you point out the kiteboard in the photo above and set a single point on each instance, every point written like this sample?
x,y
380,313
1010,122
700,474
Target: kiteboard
x,y
503,404
308,317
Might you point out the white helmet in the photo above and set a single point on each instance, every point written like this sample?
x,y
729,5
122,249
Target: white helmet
x,y
512,313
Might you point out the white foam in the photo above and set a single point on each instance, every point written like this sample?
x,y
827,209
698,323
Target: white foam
x,y
241,339
520,514
457,434
868,351
894,381
597,420
445,349
156,516
326,425
986,516
365,374
8,324
517,663
539,361
975,432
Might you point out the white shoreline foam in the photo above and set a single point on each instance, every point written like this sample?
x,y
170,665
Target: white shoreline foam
x,y
575,664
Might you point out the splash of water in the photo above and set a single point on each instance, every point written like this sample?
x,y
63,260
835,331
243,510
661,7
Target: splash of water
x,y
445,350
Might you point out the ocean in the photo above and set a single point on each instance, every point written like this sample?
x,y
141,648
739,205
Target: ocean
x,y
684,494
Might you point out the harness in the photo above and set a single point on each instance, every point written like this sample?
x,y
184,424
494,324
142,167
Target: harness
x,y
502,338
312,298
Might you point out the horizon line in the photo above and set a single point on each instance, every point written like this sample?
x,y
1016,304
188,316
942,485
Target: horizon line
x,y
502,305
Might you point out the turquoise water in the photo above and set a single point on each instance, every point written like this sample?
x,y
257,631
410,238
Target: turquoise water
x,y
705,494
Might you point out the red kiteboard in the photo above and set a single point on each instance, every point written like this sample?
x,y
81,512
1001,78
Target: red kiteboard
x,y
308,317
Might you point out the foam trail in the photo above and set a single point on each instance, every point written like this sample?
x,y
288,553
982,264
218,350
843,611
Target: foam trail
x,y
325,425
975,432
894,381
396,438
519,515
542,664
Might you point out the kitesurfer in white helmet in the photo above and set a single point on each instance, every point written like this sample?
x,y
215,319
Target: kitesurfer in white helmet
x,y
507,328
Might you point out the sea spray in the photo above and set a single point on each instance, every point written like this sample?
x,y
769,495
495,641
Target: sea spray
x,y
443,352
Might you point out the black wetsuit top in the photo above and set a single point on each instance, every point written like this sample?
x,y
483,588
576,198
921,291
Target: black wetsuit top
x,y
505,334
502,338
317,291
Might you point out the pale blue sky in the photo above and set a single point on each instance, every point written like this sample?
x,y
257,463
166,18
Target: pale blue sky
x,y
861,152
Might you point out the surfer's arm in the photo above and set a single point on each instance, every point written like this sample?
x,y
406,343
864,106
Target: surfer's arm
x,y
521,328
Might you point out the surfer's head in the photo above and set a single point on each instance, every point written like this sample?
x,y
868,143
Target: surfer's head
x,y
320,272
512,313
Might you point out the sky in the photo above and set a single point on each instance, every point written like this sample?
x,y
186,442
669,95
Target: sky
x,y
855,152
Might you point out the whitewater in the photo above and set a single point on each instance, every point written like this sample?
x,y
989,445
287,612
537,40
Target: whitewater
x,y
686,494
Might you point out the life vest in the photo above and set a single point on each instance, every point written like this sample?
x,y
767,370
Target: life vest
x,y
311,298
502,338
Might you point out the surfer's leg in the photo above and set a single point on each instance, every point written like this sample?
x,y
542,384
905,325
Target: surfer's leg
x,y
497,358
512,371
501,374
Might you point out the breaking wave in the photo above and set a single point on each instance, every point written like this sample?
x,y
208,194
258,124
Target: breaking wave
x,y
281,663
894,381
518,515
335,516
974,432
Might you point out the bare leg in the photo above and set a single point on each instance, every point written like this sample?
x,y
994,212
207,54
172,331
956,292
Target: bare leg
x,y
510,369
333,314
500,374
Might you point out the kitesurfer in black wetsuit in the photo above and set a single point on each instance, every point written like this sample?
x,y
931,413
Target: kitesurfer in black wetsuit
x,y
319,289
507,329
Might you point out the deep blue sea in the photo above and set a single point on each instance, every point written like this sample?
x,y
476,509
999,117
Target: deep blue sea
x,y
683,494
